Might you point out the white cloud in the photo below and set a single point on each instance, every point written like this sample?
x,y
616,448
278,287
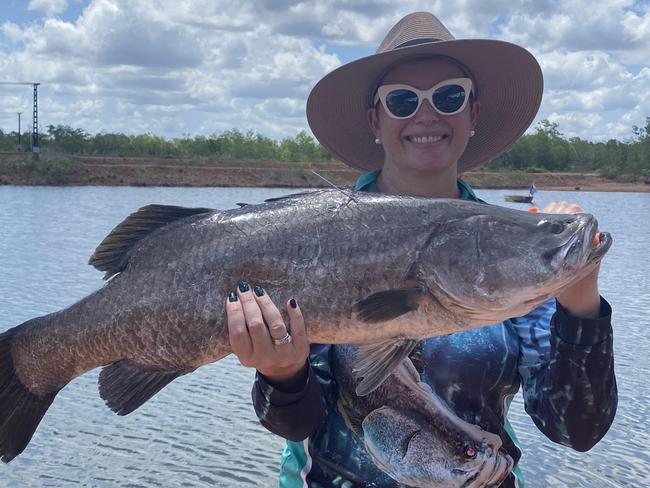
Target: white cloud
x,y
48,7
578,25
581,70
170,67
12,31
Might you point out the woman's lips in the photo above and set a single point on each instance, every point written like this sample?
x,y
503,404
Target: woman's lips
x,y
431,139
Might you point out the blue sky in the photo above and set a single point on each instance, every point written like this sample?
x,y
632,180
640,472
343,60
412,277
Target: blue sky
x,y
17,11
173,67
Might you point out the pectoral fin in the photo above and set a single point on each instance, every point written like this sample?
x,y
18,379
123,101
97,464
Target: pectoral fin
x,y
375,362
126,385
388,304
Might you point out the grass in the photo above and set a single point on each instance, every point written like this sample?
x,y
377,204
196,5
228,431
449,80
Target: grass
x,y
40,172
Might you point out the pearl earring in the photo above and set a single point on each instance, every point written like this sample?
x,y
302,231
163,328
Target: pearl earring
x,y
377,141
471,133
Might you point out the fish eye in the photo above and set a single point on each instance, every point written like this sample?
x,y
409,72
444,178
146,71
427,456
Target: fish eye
x,y
470,452
556,227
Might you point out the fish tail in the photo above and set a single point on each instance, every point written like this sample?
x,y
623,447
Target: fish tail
x,y
20,410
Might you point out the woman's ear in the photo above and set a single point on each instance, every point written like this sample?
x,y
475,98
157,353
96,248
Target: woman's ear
x,y
373,120
475,110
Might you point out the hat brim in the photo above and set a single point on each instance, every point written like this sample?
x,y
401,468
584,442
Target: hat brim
x,y
509,84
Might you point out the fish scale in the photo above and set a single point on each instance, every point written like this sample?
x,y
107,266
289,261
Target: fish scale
x,y
367,269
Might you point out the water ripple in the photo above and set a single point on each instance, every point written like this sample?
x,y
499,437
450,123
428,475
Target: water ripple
x,y
201,430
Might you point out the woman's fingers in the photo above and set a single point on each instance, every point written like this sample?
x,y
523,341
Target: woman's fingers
x,y
257,329
562,208
277,328
240,341
260,337
297,322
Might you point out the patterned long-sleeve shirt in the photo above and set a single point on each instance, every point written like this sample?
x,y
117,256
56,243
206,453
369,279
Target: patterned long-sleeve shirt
x,y
563,364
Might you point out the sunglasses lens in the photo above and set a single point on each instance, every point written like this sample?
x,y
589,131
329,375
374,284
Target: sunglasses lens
x,y
448,99
402,103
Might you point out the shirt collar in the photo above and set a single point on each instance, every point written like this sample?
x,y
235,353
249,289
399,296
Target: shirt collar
x,y
368,182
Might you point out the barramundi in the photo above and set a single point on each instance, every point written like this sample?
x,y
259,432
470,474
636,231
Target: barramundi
x,y
377,270
412,435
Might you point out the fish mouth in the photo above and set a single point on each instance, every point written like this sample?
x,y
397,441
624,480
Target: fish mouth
x,y
595,243
603,241
501,468
584,247
503,464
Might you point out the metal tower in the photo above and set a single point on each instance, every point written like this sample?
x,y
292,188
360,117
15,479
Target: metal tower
x,y
35,147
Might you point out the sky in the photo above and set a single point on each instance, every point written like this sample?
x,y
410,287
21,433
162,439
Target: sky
x,y
199,67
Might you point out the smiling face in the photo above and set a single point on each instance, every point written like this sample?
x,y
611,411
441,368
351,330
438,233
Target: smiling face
x,y
427,142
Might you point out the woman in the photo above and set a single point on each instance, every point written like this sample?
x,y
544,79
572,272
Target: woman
x,y
423,109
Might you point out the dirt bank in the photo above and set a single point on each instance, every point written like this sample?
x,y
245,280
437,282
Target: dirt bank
x,y
118,171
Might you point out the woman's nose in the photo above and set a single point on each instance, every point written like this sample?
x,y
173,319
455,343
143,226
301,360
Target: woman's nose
x,y
426,114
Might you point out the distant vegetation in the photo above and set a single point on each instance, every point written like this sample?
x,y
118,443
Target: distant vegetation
x,y
232,144
547,149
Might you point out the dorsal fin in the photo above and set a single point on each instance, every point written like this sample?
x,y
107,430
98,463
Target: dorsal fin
x,y
291,196
112,254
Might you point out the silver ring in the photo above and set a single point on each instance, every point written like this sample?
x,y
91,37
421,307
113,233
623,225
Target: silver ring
x,y
287,339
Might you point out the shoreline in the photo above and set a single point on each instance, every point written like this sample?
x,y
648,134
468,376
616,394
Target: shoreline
x,y
123,171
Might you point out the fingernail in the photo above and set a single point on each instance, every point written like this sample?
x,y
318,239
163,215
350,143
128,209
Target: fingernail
x,y
232,297
293,303
243,286
259,291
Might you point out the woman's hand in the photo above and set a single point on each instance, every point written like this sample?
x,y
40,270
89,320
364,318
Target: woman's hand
x,y
260,338
581,299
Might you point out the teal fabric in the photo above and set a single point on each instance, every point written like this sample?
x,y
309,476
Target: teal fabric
x,y
294,459
368,182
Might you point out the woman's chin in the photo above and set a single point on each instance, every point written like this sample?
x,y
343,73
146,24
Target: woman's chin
x,y
429,164
428,157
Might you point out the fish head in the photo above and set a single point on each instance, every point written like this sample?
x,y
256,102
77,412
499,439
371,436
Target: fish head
x,y
408,448
502,262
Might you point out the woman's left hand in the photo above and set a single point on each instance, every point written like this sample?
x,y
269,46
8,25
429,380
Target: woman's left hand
x,y
581,299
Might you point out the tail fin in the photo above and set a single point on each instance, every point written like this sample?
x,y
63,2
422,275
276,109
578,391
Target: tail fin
x,y
20,410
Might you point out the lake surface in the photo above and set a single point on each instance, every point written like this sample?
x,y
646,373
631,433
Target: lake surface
x,y
201,430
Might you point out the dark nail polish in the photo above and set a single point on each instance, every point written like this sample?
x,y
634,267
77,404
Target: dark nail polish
x,y
232,297
259,291
243,286
293,303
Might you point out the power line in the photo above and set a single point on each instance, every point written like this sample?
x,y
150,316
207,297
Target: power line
x,y
19,146
35,147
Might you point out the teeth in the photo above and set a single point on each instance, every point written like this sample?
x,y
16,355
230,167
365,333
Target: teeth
x,y
426,139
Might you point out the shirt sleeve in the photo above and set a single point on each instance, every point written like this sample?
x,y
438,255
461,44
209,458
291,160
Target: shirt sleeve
x,y
566,366
295,414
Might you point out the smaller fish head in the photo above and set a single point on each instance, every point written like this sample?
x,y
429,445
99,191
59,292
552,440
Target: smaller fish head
x,y
504,262
405,446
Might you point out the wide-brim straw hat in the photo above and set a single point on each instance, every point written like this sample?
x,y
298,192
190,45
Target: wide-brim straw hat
x,y
507,79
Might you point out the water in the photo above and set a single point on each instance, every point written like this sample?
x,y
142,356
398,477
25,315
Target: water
x,y
201,431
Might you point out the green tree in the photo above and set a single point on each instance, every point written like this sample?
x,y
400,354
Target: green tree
x,y
63,138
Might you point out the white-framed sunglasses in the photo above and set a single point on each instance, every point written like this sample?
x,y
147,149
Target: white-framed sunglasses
x,y
402,101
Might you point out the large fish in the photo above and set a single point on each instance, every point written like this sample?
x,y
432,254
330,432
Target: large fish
x,y
367,269
411,434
